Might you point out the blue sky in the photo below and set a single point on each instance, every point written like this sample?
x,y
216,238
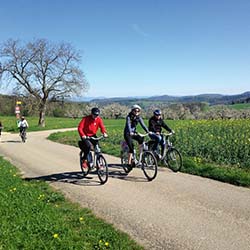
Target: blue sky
x,y
144,48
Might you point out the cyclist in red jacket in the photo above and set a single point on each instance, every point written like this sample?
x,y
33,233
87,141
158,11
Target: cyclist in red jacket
x,y
88,127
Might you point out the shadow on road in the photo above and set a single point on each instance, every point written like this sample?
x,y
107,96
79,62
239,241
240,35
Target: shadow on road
x,y
76,178
116,171
11,141
68,177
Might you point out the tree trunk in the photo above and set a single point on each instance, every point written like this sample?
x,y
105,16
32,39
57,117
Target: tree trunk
x,y
42,111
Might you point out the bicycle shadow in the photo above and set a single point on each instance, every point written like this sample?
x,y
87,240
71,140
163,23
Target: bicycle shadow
x,y
75,178
117,171
11,141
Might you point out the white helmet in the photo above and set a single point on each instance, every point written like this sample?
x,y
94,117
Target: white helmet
x,y
135,106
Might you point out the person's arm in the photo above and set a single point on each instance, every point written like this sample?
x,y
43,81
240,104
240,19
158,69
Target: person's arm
x,y
128,124
102,127
164,125
80,127
27,124
143,125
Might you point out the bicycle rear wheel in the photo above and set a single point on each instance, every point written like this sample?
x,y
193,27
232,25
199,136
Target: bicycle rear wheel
x,y
149,165
124,161
84,168
102,169
174,159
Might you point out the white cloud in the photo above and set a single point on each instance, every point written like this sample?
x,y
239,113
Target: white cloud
x,y
139,30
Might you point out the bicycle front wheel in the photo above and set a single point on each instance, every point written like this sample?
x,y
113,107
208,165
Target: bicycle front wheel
x,y
174,159
149,165
102,169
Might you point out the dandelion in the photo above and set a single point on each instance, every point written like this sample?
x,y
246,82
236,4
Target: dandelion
x,y
81,218
41,196
106,244
55,236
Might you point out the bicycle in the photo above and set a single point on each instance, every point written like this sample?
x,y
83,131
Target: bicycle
x,y
170,157
23,135
95,160
147,161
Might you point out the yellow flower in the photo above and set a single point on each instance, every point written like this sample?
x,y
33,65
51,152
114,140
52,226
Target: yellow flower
x,y
81,218
41,196
106,244
55,236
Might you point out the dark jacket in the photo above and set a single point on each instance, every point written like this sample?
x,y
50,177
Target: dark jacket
x,y
131,123
156,125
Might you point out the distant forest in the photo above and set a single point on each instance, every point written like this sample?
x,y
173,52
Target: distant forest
x,y
206,106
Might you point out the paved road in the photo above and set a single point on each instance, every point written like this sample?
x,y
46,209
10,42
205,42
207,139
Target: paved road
x,y
175,211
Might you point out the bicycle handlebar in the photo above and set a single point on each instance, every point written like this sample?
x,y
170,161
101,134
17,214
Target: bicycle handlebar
x,y
167,134
143,135
95,138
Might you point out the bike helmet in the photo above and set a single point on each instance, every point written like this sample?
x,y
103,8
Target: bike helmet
x,y
95,111
157,112
135,106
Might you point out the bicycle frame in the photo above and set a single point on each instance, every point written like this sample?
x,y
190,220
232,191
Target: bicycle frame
x,y
147,161
96,152
144,148
168,144
170,155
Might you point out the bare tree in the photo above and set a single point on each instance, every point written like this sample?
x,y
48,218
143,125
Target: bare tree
x,y
42,69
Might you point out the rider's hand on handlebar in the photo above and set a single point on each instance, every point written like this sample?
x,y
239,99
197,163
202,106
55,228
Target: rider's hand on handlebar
x,y
172,131
105,135
150,132
84,137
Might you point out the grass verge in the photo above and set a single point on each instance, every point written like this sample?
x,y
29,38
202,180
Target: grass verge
x,y
34,216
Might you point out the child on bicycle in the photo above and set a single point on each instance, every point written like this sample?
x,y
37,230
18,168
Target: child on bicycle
x,y
130,134
22,125
88,127
155,125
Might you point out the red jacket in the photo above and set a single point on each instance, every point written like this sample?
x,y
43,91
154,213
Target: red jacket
x,y
88,126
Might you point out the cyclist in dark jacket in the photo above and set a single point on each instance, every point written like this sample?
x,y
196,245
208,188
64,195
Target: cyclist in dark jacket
x,y
132,120
155,125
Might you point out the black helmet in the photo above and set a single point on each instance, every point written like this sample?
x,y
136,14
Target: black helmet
x,y
95,111
157,112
